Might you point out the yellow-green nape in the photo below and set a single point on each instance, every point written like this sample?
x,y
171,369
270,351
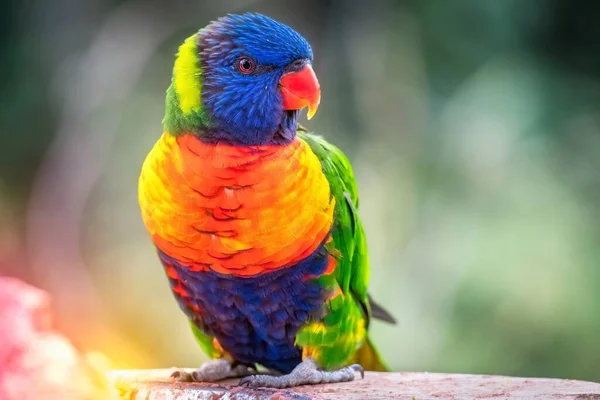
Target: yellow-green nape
x,y
187,76
184,112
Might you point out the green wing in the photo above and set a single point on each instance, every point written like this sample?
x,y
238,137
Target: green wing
x,y
341,338
349,244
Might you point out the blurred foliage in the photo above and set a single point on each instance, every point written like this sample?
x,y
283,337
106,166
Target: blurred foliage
x,y
473,126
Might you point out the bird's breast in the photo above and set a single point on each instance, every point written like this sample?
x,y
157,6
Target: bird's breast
x,y
241,210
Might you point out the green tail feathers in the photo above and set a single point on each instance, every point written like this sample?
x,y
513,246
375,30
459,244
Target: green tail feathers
x,y
368,357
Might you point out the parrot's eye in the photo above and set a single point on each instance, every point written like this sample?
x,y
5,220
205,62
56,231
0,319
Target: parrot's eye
x,y
246,65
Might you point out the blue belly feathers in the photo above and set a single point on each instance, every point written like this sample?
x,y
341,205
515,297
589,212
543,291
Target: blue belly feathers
x,y
256,319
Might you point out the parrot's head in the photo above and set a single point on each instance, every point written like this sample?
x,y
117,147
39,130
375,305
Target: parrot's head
x,y
242,79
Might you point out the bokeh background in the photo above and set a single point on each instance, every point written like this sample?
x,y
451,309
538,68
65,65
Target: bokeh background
x,y
473,127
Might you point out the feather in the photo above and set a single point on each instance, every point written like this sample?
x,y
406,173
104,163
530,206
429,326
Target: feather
x,y
380,313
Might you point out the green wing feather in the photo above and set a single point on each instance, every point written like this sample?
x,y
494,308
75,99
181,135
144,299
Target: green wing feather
x,y
349,241
337,339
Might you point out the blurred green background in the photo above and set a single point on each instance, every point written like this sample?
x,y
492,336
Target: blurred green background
x,y
473,127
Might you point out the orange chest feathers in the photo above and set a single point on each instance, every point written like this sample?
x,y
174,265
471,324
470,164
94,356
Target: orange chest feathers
x,y
234,210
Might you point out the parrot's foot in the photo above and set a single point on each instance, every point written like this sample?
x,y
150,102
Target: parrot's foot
x,y
212,371
306,373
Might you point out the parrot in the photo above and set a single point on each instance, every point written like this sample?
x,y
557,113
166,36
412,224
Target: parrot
x,y
255,219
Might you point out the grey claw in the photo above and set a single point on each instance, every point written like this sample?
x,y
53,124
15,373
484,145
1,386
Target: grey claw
x,y
211,371
196,377
359,368
245,381
181,376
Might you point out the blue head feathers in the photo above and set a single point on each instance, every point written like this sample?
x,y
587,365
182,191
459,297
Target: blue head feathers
x,y
242,59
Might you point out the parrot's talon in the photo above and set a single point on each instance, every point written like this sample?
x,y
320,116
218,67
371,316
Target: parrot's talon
x,y
358,368
305,373
212,371
181,376
245,381
196,377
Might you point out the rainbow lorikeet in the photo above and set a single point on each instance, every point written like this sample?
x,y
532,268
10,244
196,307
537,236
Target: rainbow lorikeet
x,y
255,220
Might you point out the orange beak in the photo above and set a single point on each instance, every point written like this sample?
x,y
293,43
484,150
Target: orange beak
x,y
301,89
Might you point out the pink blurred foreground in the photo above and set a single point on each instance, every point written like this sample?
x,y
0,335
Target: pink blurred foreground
x,y
36,361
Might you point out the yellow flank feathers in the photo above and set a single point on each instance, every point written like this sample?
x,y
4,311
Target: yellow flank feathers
x,y
186,76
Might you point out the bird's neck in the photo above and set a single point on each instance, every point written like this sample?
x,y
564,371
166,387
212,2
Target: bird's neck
x,y
179,120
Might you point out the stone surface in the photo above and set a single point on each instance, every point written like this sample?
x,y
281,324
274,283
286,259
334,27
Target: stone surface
x,y
37,362
155,385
